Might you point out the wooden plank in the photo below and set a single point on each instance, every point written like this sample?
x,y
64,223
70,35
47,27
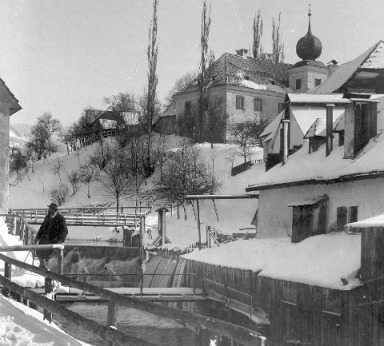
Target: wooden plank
x,y
105,333
191,321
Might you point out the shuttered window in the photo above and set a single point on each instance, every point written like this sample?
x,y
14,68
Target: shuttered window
x,y
239,102
257,105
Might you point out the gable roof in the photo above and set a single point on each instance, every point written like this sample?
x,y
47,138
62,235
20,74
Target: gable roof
x,y
232,69
306,115
372,58
16,107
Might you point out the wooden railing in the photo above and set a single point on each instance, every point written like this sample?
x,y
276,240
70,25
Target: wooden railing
x,y
87,216
109,333
233,298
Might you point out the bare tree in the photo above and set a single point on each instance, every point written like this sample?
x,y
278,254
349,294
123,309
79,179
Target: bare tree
x,y
74,179
59,194
185,173
152,52
257,34
18,161
56,169
216,119
205,26
247,135
116,177
87,174
277,44
42,134
180,84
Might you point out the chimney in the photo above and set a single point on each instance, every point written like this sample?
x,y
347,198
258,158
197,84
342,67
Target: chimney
x,y
332,66
329,128
285,138
242,52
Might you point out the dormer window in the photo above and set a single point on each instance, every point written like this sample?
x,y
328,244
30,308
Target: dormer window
x,y
360,125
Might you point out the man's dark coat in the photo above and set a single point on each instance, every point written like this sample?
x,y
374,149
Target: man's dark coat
x,y
52,231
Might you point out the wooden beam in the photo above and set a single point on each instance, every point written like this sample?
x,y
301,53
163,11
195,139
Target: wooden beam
x,y
105,333
197,197
189,320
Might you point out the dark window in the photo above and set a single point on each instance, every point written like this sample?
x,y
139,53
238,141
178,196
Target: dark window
x,y
280,107
317,81
308,220
187,107
298,84
239,102
346,215
352,214
246,77
257,105
342,217
365,127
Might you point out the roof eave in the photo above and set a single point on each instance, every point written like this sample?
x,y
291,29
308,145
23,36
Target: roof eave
x,y
341,179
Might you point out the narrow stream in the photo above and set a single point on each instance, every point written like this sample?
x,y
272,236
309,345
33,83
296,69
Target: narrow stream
x,y
155,329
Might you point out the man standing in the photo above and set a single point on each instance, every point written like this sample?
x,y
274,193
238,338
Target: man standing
x,y
52,231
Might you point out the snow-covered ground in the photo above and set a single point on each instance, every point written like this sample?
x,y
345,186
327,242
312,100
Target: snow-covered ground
x,y
20,325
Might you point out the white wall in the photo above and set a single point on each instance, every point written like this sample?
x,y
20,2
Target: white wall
x,y
275,218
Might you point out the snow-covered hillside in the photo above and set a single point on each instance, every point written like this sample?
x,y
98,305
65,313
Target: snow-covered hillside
x,y
33,191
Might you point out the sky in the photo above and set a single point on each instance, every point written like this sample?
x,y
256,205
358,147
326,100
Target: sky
x,y
61,56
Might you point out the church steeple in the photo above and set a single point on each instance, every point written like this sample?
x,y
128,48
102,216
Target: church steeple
x,y
309,47
308,72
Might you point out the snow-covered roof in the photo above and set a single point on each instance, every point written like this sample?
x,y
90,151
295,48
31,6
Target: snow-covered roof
x,y
316,129
270,128
307,115
314,168
319,260
372,58
375,221
317,98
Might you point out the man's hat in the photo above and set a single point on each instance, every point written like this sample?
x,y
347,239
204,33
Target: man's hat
x,y
53,206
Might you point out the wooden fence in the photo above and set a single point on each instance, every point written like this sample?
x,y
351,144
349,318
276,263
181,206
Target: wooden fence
x,y
114,337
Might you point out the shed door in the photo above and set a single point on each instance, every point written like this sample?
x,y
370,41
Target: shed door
x,y
302,223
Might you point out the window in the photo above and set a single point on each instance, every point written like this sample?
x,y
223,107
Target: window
x,y
365,125
298,84
257,105
346,215
280,107
239,102
187,107
317,81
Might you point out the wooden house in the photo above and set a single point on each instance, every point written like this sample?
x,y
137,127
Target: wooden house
x,y
336,178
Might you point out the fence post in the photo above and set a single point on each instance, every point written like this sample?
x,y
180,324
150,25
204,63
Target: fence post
x,y
60,261
48,289
36,215
112,316
8,275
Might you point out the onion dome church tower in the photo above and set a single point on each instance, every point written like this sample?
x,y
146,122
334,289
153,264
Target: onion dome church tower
x,y
307,73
